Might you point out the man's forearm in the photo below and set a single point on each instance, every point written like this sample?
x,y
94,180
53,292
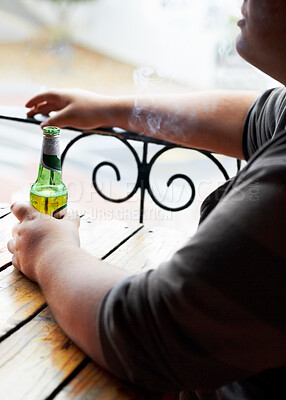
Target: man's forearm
x,y
206,120
74,283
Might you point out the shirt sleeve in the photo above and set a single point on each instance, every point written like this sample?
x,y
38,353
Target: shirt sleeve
x,y
265,118
215,312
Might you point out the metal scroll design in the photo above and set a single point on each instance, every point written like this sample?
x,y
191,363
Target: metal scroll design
x,y
144,169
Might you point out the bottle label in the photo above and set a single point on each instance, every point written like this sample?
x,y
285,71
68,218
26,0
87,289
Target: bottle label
x,y
60,212
50,158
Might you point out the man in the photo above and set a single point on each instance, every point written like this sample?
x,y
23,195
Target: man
x,y
211,321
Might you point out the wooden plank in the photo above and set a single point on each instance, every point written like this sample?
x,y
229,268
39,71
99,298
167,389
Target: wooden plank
x,y
95,383
148,248
20,298
5,256
4,209
99,238
6,224
36,359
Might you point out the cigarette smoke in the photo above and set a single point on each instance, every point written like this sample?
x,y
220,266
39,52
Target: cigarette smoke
x,y
191,19
147,82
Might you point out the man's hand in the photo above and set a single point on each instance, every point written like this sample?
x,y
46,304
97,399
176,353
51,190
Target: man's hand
x,y
75,108
37,234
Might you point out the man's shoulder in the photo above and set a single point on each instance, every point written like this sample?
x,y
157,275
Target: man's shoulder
x,y
266,117
268,162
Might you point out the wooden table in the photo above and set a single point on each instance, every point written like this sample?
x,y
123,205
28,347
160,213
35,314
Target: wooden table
x,y
37,360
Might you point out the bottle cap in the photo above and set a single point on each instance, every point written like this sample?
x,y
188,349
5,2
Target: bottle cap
x,y
51,130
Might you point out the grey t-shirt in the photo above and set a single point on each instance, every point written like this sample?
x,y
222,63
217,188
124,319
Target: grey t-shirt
x,y
215,314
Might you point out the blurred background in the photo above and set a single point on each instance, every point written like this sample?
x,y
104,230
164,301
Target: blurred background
x,y
114,47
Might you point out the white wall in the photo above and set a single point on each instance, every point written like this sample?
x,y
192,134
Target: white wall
x,y
172,39
14,28
142,32
178,41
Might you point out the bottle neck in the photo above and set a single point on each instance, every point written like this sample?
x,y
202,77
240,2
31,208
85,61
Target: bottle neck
x,y
50,163
50,155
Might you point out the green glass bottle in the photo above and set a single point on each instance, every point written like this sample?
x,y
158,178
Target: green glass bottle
x,y
49,194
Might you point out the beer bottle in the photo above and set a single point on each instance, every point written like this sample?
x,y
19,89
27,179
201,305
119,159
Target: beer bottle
x,y
49,194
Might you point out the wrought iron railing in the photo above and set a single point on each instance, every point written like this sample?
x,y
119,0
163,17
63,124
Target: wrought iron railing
x,y
143,165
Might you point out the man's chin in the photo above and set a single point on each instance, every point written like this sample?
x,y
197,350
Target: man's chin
x,y
254,58
242,48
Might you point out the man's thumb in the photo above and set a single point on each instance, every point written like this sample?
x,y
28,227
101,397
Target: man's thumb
x,y
59,120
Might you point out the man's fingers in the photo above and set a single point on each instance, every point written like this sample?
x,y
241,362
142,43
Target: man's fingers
x,y
11,246
14,262
44,108
15,230
46,97
24,211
